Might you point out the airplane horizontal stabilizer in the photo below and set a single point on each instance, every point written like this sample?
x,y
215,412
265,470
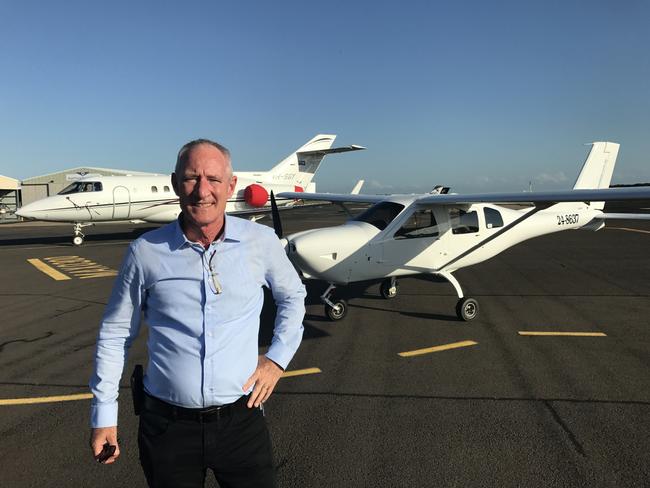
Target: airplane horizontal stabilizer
x,y
333,150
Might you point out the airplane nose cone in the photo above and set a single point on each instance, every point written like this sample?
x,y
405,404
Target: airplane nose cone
x,y
32,211
327,253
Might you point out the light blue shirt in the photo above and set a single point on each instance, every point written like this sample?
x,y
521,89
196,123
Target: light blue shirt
x,y
203,345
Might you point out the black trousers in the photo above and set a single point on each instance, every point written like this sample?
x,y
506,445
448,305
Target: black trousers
x,y
177,453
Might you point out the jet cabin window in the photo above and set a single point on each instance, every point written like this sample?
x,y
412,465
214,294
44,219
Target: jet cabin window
x,y
463,222
421,224
81,186
380,215
492,218
154,189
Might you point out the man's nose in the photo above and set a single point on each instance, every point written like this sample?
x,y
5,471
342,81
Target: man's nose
x,y
203,188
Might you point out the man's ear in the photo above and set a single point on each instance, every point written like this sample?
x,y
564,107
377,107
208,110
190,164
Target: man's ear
x,y
175,184
232,185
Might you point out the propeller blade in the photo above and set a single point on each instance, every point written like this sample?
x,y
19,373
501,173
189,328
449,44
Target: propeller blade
x,y
275,215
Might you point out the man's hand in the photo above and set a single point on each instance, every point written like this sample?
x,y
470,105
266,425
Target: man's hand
x,y
101,436
264,378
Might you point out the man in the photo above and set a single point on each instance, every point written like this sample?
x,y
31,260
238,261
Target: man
x,y
198,282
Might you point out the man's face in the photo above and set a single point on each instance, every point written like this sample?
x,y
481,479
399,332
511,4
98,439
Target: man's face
x,y
204,186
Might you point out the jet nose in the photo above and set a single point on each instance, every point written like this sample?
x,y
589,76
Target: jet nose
x,y
31,211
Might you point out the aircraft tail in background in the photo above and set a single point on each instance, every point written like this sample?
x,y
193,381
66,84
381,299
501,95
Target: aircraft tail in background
x,y
299,168
598,168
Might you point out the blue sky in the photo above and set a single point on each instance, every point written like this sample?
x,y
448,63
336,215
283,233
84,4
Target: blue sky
x,y
480,96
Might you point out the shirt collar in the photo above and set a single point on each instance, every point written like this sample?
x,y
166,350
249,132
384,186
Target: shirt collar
x,y
231,232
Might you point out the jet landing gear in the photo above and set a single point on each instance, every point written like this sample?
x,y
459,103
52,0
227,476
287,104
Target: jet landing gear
x,y
466,308
389,288
335,309
78,238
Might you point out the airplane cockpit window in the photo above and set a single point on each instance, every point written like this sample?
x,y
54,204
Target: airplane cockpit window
x,y
81,186
380,214
492,218
422,223
463,222
154,189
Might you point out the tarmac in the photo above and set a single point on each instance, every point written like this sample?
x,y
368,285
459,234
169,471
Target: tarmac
x,y
548,387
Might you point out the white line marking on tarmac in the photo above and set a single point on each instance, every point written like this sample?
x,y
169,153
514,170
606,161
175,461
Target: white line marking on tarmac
x,y
444,347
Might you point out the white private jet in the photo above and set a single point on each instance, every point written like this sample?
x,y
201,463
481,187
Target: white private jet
x,y
150,198
439,233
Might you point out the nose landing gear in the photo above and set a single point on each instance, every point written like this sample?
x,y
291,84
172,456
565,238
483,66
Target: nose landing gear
x,y
335,309
78,238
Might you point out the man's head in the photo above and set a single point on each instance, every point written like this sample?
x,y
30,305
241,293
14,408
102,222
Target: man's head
x,y
203,181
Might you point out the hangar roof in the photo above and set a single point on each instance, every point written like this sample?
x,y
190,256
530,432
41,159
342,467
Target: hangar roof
x,y
89,169
7,183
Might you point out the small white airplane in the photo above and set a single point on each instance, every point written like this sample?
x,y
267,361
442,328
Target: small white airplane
x,y
150,198
439,233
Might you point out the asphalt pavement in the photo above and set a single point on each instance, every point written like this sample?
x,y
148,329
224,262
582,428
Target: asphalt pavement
x,y
487,403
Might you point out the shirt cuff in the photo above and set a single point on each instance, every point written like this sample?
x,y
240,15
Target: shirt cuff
x,y
103,415
280,354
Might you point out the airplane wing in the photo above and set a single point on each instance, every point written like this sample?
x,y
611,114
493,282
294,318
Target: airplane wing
x,y
333,197
542,197
624,216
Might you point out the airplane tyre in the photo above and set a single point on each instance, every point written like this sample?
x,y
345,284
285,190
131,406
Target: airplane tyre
x,y
77,240
388,291
338,311
467,309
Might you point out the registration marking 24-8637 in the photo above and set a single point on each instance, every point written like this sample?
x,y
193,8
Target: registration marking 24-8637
x,y
567,219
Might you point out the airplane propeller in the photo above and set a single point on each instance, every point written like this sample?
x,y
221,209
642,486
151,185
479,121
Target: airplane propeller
x,y
275,215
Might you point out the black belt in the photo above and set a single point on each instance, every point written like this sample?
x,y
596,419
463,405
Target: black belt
x,y
209,414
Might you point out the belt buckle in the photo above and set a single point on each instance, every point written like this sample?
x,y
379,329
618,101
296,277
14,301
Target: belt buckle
x,y
211,412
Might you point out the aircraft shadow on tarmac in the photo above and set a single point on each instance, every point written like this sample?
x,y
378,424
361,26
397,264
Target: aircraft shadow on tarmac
x,y
369,290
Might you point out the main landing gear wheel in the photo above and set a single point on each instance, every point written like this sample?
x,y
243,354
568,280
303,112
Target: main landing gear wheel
x,y
337,310
77,240
467,309
388,288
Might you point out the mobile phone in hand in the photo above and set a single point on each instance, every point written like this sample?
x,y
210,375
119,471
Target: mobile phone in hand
x,y
107,451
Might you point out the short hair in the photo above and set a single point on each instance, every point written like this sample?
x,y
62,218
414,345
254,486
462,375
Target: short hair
x,y
183,154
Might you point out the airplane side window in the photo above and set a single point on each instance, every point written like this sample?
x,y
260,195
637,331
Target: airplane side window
x,y
493,218
166,188
75,187
421,223
154,189
463,222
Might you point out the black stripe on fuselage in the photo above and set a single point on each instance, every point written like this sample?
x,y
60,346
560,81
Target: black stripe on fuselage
x,y
496,234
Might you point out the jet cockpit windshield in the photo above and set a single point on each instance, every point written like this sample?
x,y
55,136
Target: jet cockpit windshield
x,y
81,186
380,214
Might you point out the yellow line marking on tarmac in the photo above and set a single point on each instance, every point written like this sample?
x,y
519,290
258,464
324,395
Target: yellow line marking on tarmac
x,y
48,270
565,334
631,230
88,396
300,372
444,347
80,267
62,398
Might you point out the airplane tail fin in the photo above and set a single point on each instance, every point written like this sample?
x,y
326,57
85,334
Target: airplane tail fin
x,y
299,168
598,168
